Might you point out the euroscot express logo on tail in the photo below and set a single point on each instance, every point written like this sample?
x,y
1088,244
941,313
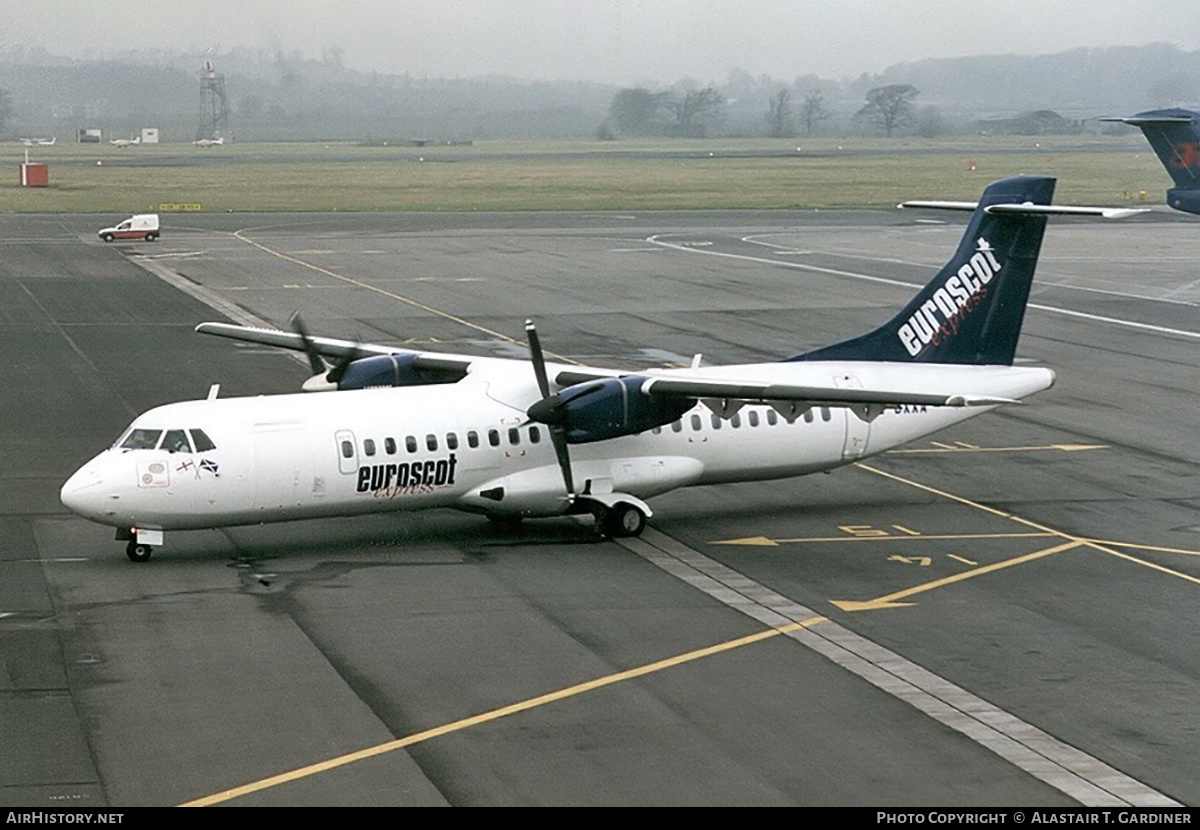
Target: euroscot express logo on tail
x,y
941,315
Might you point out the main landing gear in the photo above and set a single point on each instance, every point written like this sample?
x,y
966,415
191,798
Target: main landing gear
x,y
613,521
138,551
620,521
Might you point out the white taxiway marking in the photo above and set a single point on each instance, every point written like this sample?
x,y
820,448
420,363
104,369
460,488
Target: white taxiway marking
x,y
1099,318
1088,780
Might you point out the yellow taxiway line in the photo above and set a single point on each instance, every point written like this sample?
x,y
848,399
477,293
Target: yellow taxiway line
x,y
496,714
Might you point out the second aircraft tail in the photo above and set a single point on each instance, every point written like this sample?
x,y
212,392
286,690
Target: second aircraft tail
x,y
1175,136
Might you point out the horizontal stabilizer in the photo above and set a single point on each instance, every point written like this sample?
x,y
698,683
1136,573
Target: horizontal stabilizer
x,y
1029,208
1139,120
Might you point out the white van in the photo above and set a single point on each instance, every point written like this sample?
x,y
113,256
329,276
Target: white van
x,y
142,226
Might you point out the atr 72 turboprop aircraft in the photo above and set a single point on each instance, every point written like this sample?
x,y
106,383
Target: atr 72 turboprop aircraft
x,y
407,430
1175,136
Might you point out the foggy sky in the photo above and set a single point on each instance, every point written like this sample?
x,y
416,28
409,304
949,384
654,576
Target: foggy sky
x,y
613,41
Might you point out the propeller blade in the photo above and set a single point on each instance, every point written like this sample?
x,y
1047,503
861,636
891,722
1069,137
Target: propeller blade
x,y
545,412
315,361
539,360
559,439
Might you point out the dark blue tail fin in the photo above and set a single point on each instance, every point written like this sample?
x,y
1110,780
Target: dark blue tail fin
x,y
1175,136
972,311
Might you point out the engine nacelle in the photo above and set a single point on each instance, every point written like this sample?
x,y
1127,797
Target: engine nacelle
x,y
387,370
603,409
1184,199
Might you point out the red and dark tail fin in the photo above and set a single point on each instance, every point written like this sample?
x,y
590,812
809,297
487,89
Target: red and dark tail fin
x,y
1175,136
971,311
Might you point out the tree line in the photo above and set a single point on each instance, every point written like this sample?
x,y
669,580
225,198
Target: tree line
x,y
286,96
638,112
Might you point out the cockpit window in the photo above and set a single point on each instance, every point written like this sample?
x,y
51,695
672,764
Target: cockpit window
x,y
176,441
141,439
201,441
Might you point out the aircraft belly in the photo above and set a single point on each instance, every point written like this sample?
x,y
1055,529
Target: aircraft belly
x,y
770,452
900,425
539,491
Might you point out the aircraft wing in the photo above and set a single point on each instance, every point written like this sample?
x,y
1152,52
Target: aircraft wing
x,y
763,392
721,394
726,396
338,350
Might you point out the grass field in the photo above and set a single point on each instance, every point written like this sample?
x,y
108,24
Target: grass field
x,y
579,175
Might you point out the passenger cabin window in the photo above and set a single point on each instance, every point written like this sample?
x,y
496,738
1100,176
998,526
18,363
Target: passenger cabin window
x,y
389,446
410,443
473,439
825,414
200,441
735,421
808,416
695,423
493,437
142,439
772,417
347,449
716,421
752,417
369,446
176,441
535,435
431,442
451,440
514,436
677,426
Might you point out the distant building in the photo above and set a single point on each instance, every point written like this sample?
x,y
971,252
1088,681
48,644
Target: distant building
x,y
90,136
149,135
1038,122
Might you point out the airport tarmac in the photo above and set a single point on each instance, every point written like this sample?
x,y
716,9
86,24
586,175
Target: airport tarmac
x,y
1002,615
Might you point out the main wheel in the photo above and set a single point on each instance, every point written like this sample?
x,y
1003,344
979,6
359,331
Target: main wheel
x,y
108,237
150,237
623,520
137,551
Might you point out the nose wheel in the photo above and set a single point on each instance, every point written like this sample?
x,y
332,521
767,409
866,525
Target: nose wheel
x,y
138,551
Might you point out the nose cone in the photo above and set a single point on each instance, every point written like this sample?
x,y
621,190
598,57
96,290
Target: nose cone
x,y
83,492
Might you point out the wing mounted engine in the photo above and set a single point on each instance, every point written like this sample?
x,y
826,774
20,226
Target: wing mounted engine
x,y
602,409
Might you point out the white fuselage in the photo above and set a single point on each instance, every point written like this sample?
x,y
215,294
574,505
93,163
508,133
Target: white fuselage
x,y
470,446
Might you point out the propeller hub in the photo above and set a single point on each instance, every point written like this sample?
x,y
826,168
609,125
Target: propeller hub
x,y
547,411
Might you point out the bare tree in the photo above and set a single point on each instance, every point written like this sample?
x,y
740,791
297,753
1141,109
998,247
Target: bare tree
x,y
636,111
813,110
694,111
779,114
890,107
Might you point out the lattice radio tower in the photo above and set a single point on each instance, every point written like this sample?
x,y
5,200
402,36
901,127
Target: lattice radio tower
x,y
214,105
